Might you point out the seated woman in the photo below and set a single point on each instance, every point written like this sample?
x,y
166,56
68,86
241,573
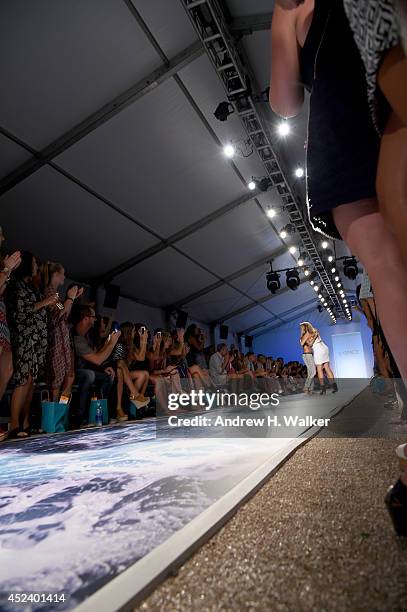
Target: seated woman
x,y
138,363
197,365
163,374
120,358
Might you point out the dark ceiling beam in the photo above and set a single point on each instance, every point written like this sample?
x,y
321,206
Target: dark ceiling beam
x,y
177,237
248,24
229,279
271,327
168,70
253,328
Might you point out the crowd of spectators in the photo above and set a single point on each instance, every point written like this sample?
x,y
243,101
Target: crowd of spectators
x,y
64,345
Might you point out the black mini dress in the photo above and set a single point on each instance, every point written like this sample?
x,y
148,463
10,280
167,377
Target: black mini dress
x,y
342,143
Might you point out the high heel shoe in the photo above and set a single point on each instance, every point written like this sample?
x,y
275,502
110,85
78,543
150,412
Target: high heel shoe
x,y
335,388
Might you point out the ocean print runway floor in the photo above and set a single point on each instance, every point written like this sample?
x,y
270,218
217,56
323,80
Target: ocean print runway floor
x,y
77,509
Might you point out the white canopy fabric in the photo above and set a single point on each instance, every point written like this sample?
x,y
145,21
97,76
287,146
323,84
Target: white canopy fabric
x,y
145,199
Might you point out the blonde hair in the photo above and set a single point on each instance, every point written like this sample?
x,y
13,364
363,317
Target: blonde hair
x,y
47,270
307,327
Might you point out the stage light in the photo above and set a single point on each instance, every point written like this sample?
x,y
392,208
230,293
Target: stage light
x,y
312,283
229,151
223,110
343,301
350,268
316,288
292,250
339,285
306,272
287,230
336,279
330,258
324,244
273,282
299,173
271,213
283,128
320,296
301,259
293,279
264,184
251,185
333,270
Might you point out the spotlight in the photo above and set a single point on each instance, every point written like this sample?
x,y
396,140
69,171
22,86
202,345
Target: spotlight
x,y
229,151
320,296
324,244
271,213
264,184
273,281
336,278
293,279
299,173
251,185
333,270
316,288
306,272
292,250
312,282
283,128
343,301
350,268
287,230
301,260
223,110
339,285
330,258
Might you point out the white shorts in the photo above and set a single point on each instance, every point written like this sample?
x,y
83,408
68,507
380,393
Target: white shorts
x,y
321,353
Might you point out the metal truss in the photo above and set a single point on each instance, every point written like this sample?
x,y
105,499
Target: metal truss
x,y
209,22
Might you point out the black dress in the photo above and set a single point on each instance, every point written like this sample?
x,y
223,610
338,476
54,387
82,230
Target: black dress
x,y
342,144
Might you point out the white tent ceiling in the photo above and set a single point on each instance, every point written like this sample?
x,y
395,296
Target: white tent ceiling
x,y
146,198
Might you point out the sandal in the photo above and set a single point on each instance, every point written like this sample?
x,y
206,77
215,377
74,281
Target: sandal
x,y
14,434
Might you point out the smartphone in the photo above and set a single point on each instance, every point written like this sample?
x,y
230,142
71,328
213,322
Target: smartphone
x,y
142,330
115,327
159,334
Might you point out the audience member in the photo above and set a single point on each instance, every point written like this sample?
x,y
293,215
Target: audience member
x,y
120,359
138,363
90,371
27,317
60,369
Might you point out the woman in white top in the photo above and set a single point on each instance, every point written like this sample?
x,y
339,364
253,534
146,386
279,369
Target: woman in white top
x,y
311,337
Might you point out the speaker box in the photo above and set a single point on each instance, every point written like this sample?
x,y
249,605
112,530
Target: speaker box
x,y
111,296
182,318
249,341
223,332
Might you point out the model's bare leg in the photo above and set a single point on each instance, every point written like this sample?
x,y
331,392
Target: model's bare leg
x,y
368,236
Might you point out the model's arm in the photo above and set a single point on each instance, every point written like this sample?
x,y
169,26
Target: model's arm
x,y
286,90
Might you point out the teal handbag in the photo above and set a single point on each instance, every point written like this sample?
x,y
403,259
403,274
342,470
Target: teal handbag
x,y
54,415
94,405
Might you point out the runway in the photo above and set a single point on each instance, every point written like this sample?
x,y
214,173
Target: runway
x,y
88,513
